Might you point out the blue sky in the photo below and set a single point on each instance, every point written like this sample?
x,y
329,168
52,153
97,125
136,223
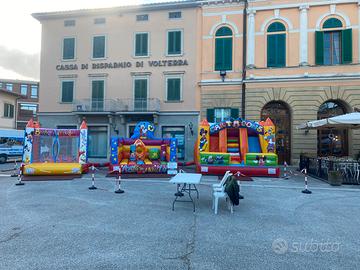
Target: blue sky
x,y
21,34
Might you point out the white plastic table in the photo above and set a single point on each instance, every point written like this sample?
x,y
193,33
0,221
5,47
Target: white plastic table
x,y
188,182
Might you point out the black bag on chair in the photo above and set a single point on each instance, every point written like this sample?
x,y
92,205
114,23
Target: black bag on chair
x,y
232,189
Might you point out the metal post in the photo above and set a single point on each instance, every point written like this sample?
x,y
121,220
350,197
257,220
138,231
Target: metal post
x,y
92,178
285,171
118,180
306,190
15,174
19,176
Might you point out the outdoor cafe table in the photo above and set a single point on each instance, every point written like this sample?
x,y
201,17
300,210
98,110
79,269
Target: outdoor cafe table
x,y
188,182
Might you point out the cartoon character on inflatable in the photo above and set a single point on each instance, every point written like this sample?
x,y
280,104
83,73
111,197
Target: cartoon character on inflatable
x,y
203,140
144,130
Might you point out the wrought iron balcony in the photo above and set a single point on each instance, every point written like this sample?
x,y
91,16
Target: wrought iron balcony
x,y
117,105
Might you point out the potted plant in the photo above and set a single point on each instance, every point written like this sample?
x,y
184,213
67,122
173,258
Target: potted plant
x,y
335,178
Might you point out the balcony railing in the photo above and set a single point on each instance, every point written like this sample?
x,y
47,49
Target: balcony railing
x,y
117,105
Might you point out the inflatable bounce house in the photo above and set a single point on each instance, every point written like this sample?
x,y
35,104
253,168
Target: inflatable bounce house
x,y
54,151
237,145
143,153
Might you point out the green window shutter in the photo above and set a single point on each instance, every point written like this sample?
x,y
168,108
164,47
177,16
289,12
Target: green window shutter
x,y
144,44
227,52
319,48
210,115
99,47
173,91
276,50
140,89
68,48
281,50
177,42
67,92
141,44
346,37
97,90
11,108
219,47
223,54
171,42
271,57
137,44
174,42
234,113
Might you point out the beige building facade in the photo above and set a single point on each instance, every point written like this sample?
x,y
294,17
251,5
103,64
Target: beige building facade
x,y
8,102
302,63
118,66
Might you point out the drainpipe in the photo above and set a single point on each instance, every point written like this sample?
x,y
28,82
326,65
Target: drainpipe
x,y
243,85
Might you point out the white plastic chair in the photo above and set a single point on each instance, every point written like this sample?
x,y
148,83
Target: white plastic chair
x,y
218,186
219,192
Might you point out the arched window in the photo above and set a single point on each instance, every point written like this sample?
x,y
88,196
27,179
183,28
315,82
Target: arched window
x,y
223,49
332,142
276,45
333,43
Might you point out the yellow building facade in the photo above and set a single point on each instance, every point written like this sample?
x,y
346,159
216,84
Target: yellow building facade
x,y
302,64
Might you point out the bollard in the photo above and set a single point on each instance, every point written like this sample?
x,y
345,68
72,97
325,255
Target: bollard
x,y
93,187
19,176
118,180
15,174
306,190
285,171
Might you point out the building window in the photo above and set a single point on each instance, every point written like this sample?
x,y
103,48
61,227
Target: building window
x,y
332,142
8,110
175,15
333,44
174,44
141,44
98,138
223,49
173,88
67,91
68,48
140,94
97,95
142,17
23,89
179,134
9,86
27,110
99,21
34,91
276,45
221,114
99,44
69,23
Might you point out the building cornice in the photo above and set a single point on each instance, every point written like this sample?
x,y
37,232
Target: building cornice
x,y
301,4
117,10
302,78
18,81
